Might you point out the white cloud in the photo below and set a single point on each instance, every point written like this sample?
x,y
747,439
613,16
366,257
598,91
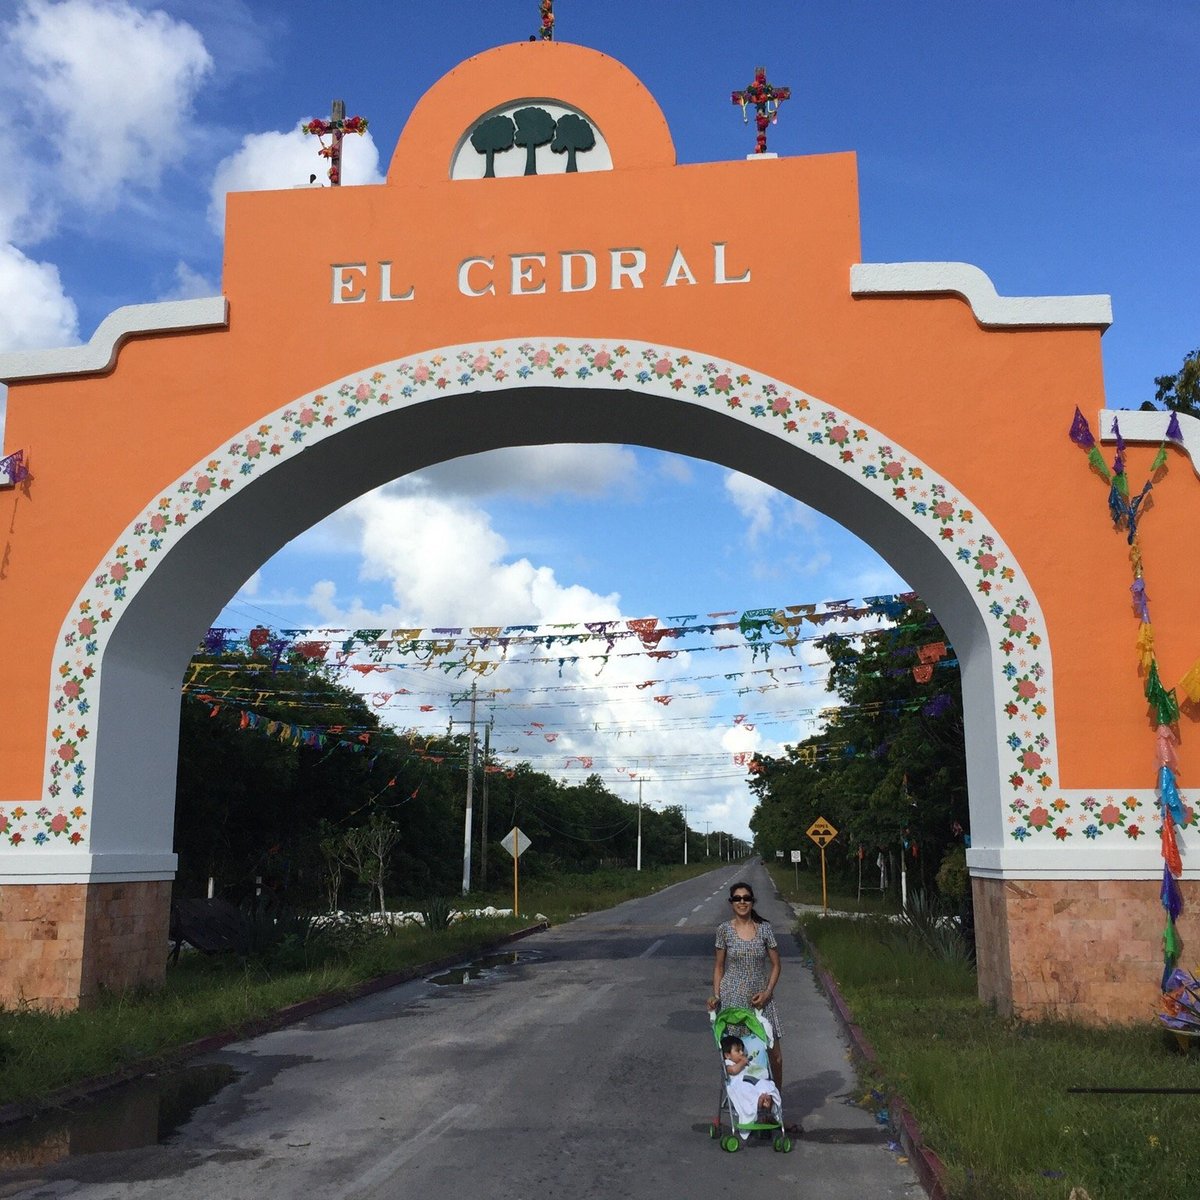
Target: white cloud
x,y
530,473
37,312
763,507
676,469
21,217
267,161
446,562
116,83
190,285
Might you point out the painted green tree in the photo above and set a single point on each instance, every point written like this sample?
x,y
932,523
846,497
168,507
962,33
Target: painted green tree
x,y
535,127
572,135
492,137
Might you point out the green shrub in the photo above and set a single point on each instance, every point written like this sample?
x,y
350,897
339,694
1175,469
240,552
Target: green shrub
x,y
953,879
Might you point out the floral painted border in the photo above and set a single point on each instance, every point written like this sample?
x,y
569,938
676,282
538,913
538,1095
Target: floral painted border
x,y
1024,722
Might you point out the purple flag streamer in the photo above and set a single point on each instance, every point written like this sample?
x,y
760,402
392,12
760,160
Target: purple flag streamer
x,y
1081,431
1170,895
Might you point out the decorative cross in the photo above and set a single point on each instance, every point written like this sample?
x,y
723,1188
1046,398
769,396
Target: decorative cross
x,y
336,129
546,30
766,99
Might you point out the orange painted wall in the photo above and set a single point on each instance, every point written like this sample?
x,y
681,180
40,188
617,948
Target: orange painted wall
x,y
988,409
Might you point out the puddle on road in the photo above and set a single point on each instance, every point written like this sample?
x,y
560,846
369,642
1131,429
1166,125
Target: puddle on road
x,y
484,968
141,1113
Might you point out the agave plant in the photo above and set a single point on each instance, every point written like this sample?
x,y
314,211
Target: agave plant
x,y
437,912
929,925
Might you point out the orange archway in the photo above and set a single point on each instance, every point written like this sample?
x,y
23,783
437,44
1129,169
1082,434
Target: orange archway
x,y
364,333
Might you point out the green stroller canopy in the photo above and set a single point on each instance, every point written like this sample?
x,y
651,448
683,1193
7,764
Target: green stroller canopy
x,y
748,1019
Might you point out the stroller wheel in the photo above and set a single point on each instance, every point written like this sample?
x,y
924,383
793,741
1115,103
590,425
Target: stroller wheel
x,y
783,1144
731,1143
714,1130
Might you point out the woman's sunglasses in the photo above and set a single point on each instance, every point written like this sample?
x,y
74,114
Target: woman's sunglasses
x,y
741,899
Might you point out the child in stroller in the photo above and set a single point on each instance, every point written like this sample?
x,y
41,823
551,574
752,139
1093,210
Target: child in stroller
x,y
749,1100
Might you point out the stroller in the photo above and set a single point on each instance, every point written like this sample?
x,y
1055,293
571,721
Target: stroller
x,y
755,1031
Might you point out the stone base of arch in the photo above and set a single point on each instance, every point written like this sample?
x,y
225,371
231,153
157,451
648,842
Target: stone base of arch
x,y
1084,950
63,944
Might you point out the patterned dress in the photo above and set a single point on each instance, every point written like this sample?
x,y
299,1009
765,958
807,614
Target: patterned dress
x,y
747,968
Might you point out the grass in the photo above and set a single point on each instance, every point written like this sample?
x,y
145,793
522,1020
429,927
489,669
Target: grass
x,y
991,1094
561,897
803,886
43,1052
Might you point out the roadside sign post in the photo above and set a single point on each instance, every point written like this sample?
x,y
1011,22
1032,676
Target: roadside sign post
x,y
795,865
516,843
822,833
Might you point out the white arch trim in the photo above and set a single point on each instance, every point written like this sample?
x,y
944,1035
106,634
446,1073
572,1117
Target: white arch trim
x,y
100,351
973,285
1024,825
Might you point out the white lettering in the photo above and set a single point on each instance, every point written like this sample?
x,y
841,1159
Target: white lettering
x,y
345,289
522,274
719,275
569,258
464,281
385,285
622,270
678,270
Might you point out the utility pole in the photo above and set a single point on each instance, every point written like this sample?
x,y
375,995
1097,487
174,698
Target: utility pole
x,y
483,814
470,793
685,835
639,853
706,825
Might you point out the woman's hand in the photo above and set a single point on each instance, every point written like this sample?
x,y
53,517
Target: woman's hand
x,y
713,1003
760,999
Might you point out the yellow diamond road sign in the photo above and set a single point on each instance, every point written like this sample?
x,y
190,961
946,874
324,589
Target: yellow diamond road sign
x,y
821,832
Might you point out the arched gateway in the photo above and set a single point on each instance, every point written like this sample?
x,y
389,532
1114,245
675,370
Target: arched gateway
x,y
717,310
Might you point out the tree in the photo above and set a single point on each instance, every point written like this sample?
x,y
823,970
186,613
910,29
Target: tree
x,y
367,849
492,137
535,127
332,852
572,134
1181,391
889,769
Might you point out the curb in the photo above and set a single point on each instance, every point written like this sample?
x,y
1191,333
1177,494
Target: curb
x,y
11,1114
929,1168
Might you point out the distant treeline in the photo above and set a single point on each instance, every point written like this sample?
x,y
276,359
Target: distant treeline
x,y
278,758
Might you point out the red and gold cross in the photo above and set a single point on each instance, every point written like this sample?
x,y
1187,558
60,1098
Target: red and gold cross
x,y
765,98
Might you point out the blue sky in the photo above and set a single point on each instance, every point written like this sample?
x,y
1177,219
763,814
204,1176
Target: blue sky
x,y
1054,145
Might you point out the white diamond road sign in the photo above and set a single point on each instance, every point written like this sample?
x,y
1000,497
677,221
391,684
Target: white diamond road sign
x,y
515,842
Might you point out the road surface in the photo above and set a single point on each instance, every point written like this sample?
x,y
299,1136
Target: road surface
x,y
586,1070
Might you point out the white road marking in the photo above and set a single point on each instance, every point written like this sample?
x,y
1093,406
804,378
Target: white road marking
x,y
650,949
386,1167
681,921
698,907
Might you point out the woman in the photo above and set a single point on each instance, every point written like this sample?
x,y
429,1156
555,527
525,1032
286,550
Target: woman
x,y
746,968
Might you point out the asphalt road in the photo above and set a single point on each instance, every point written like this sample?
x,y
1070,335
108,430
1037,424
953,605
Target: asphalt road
x,y
587,1070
